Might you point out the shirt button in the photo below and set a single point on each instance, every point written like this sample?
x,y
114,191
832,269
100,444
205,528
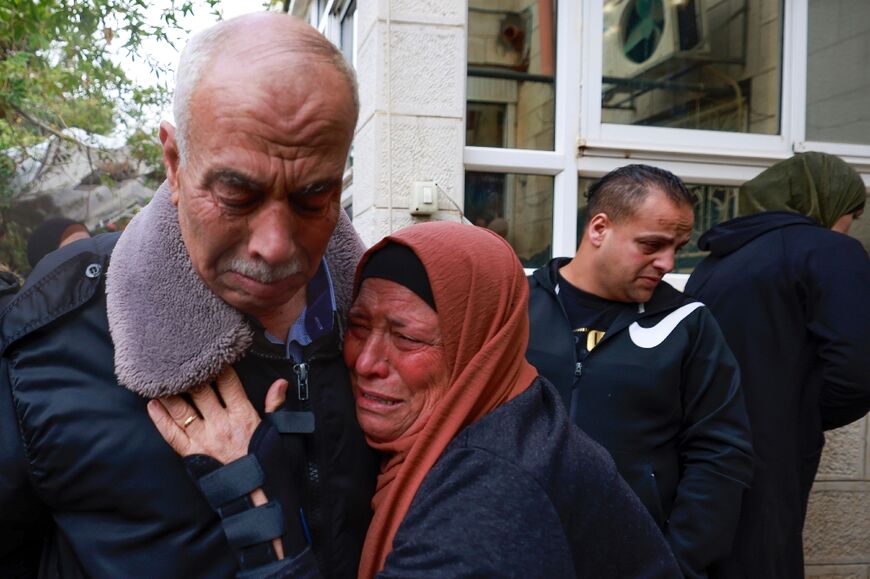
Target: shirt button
x,y
93,270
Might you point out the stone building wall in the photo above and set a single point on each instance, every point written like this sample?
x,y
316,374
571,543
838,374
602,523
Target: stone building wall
x,y
837,532
411,71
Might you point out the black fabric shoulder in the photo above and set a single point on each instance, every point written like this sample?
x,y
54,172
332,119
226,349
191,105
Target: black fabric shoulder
x,y
61,282
548,275
470,516
666,297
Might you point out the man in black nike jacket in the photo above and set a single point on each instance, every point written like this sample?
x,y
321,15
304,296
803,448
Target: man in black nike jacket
x,y
643,369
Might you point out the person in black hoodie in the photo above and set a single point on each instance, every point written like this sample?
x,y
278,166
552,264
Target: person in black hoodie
x,y
643,369
791,297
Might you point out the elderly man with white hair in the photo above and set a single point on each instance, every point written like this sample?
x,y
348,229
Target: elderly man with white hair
x,y
227,266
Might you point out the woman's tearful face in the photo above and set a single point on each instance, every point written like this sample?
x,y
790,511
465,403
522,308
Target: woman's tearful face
x,y
395,355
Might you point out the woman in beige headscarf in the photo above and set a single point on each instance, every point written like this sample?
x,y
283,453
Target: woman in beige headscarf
x,y
483,475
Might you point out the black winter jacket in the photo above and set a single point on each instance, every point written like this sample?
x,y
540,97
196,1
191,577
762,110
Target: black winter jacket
x,y
88,488
521,493
524,493
791,298
670,412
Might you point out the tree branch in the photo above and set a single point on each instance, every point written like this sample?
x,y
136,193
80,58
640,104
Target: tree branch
x,y
49,129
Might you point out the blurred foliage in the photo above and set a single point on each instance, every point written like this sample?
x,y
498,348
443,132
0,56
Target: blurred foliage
x,y
57,72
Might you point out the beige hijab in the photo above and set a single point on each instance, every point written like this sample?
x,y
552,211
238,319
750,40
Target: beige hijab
x,y
481,296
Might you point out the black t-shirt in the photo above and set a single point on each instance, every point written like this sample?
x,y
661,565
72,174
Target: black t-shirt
x,y
589,315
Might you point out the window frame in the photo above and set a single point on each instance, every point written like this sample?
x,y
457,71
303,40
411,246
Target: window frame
x,y
586,147
597,134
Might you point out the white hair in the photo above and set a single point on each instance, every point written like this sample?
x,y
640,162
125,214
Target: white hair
x,y
202,48
194,60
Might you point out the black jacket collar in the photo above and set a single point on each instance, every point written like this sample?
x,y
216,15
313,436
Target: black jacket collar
x,y
664,298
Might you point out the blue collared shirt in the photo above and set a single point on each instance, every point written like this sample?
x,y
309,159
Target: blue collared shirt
x,y
317,319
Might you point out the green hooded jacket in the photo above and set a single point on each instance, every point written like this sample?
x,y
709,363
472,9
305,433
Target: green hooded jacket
x,y
821,186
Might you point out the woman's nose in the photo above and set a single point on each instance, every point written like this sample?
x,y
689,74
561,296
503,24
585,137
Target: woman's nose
x,y
372,360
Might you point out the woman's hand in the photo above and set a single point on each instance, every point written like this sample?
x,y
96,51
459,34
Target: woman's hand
x,y
222,432
210,428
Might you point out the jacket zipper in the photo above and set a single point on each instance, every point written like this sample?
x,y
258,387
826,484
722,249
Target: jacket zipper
x,y
302,372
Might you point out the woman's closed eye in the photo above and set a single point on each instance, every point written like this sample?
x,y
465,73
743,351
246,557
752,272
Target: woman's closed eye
x,y
357,327
408,340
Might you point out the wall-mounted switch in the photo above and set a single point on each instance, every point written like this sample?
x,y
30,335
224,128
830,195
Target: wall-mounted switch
x,y
424,198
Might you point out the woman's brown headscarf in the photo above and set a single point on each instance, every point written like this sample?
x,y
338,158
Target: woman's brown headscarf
x,y
481,299
821,186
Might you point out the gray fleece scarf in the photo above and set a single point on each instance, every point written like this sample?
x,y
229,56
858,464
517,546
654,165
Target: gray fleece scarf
x,y
169,330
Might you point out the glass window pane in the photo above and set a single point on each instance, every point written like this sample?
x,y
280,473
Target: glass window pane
x,y
693,64
347,29
838,73
511,73
518,207
713,204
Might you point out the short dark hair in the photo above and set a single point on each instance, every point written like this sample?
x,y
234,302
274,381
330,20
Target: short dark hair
x,y
620,192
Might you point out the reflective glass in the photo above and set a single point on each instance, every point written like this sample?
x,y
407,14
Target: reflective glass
x,y
511,73
516,206
838,73
693,64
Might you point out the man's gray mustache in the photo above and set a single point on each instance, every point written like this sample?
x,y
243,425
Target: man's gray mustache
x,y
262,271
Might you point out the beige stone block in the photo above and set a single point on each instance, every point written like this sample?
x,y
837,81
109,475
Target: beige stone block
x,y
393,151
845,452
866,242
837,529
376,222
429,11
507,5
368,12
364,184
372,67
363,223
837,571
427,70
422,149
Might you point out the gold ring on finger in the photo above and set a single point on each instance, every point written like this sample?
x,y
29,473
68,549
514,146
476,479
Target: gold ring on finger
x,y
189,420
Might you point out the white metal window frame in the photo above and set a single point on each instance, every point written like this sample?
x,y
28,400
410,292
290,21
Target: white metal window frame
x,y
561,163
599,135
586,146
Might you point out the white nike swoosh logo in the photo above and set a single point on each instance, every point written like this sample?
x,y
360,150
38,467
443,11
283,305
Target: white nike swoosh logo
x,y
655,335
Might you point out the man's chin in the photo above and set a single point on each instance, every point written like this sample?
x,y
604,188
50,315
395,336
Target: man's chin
x,y
256,298
641,295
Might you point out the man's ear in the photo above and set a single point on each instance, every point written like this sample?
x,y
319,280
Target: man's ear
x,y
171,158
597,228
